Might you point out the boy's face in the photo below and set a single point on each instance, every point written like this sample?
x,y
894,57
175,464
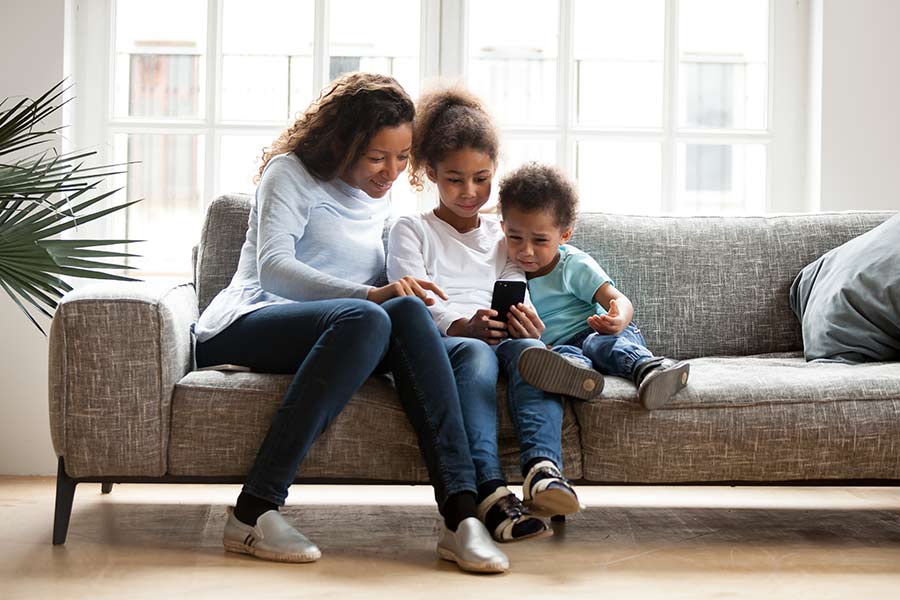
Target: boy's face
x,y
533,239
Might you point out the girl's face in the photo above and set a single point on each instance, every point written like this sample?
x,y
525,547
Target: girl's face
x,y
382,162
463,180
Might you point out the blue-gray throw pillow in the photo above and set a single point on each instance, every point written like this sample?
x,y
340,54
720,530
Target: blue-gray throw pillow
x,y
848,300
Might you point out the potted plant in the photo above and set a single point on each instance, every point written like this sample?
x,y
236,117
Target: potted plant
x,y
42,194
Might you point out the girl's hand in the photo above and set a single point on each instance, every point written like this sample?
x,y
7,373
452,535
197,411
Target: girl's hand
x,y
405,286
481,326
612,323
524,322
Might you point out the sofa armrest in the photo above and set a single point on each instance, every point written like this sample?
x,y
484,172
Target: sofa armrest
x,y
116,352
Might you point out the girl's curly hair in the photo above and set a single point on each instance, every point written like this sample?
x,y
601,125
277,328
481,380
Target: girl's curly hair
x,y
336,129
449,119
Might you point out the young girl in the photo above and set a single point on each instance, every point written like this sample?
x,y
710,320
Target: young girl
x,y
455,145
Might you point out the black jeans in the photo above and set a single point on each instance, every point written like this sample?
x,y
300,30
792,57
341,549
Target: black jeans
x,y
331,347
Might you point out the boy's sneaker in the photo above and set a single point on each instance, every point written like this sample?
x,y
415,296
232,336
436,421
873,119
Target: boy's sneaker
x,y
507,519
661,380
272,538
547,493
560,374
472,548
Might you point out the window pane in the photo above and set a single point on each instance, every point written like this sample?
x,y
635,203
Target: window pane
x,y
619,48
239,160
168,181
721,178
160,62
724,63
620,177
266,61
376,39
512,58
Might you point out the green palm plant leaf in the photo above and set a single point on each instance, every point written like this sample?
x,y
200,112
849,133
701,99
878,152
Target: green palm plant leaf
x,y
42,195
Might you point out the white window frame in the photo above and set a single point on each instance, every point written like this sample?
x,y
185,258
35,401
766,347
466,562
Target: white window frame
x,y
445,54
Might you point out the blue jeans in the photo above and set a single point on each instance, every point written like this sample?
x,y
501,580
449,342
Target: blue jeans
x,y
331,347
536,415
616,355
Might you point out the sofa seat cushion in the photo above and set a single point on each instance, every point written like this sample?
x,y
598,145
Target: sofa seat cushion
x,y
751,418
220,419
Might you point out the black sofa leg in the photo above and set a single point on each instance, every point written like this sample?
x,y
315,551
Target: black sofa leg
x,y
65,493
106,487
558,518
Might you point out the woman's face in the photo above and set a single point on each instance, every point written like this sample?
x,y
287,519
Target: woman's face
x,y
382,162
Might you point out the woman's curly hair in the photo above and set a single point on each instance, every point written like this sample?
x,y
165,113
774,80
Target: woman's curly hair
x,y
449,119
336,129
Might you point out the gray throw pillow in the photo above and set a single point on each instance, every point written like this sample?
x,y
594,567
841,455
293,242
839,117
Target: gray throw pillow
x,y
848,300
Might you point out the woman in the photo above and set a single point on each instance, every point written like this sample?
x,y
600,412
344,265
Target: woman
x,y
302,302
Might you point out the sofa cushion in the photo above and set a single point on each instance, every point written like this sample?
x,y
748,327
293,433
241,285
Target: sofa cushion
x,y
706,286
848,300
220,419
753,418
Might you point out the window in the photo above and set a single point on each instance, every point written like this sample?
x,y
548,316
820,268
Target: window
x,y
655,106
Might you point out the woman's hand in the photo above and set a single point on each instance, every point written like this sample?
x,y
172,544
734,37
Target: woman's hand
x,y
405,286
523,322
612,323
481,326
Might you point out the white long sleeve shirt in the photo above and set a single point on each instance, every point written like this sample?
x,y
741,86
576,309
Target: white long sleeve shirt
x,y
306,240
464,265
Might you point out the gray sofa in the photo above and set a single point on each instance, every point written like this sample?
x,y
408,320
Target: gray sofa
x,y
125,405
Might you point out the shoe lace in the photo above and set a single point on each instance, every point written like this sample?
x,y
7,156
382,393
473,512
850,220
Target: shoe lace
x,y
512,507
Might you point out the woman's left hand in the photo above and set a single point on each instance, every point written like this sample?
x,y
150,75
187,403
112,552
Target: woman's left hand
x,y
523,322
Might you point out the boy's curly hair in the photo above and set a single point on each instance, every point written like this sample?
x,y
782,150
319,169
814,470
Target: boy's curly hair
x,y
449,118
336,129
536,187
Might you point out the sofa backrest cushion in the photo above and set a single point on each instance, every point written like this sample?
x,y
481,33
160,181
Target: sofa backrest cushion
x,y
224,230
705,286
701,286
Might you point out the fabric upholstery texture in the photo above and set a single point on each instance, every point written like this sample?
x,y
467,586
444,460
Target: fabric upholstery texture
x,y
117,351
710,289
756,418
708,286
219,421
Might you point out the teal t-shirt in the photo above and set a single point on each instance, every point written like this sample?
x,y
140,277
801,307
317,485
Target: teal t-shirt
x,y
564,297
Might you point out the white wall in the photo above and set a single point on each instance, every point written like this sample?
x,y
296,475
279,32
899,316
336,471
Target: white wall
x,y
860,96
31,44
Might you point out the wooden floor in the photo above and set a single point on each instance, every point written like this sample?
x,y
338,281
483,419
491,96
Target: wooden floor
x,y
164,541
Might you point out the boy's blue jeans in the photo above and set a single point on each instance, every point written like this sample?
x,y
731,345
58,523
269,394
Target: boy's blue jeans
x,y
616,355
536,415
331,347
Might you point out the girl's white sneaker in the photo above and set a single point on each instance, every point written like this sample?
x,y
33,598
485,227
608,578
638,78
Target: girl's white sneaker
x,y
472,548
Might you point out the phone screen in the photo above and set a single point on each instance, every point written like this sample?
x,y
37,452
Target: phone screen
x,y
506,294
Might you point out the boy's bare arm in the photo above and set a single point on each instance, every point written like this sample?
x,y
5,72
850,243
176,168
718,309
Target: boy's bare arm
x,y
619,311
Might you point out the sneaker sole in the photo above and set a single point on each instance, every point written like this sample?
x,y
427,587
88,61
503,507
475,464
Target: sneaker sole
x,y
665,385
285,557
448,555
549,371
552,502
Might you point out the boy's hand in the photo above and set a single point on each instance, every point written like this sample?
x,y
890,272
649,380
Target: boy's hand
x,y
524,322
481,326
612,323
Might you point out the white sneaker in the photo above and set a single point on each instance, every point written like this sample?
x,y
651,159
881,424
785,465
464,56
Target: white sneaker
x,y
550,494
472,548
272,538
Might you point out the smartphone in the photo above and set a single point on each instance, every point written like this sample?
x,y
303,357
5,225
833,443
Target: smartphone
x,y
506,294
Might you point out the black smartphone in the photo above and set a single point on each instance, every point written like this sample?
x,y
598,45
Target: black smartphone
x,y
506,294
